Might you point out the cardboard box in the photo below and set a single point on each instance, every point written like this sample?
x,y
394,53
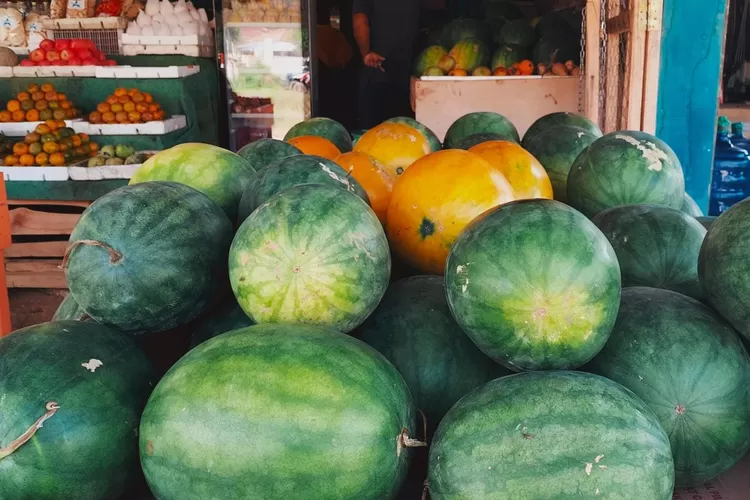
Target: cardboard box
x,y
732,485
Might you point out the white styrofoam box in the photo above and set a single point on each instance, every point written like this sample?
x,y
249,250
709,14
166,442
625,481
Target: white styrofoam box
x,y
102,173
183,50
149,128
19,129
6,71
86,23
53,71
167,40
34,173
146,71
21,51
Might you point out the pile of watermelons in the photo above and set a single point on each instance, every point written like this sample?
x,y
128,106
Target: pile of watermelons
x,y
396,317
501,41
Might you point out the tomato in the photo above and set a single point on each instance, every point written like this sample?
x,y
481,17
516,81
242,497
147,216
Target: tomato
x,y
100,55
38,55
74,61
61,63
62,44
44,63
89,62
27,62
53,55
83,53
47,44
81,43
109,62
67,54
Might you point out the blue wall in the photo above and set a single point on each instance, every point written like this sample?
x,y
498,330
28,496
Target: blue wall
x,y
691,51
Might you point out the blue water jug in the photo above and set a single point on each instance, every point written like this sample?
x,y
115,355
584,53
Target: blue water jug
x,y
738,138
729,182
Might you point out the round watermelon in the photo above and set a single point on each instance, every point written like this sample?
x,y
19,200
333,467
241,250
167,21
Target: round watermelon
x,y
624,168
723,266
555,121
459,30
428,57
293,171
707,221
690,207
219,174
656,246
69,310
535,285
470,54
479,123
265,152
432,139
71,396
508,55
550,435
323,127
474,139
413,328
690,367
311,254
557,148
557,49
276,412
518,32
225,318
148,257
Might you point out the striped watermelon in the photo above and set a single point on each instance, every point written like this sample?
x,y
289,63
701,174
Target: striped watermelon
x,y
469,54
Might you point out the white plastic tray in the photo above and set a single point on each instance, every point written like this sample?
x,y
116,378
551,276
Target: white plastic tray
x,y
101,173
149,128
19,129
146,72
183,50
6,71
34,173
207,40
53,71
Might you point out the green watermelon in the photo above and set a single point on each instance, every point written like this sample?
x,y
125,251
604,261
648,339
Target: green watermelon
x,y
425,131
723,266
219,174
557,148
293,171
479,123
469,54
707,221
508,55
428,57
87,385
459,30
69,310
656,246
624,168
690,207
518,32
264,152
434,71
557,49
502,9
474,139
557,120
277,412
148,257
323,127
414,329
535,285
225,318
550,436
690,367
311,254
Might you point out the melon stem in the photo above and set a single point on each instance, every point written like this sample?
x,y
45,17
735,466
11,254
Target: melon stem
x,y
114,255
404,441
52,408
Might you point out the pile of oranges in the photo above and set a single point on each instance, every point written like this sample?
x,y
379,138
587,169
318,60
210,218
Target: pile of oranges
x,y
38,103
51,143
127,106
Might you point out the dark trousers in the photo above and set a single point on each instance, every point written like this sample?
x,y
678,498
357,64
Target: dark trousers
x,y
384,94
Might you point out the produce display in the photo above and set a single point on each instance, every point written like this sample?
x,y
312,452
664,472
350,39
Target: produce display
x,y
164,18
395,145
67,52
373,177
39,103
314,145
51,143
266,151
128,106
524,172
483,122
120,154
323,127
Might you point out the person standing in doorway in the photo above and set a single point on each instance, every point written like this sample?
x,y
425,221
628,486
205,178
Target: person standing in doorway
x,y
385,31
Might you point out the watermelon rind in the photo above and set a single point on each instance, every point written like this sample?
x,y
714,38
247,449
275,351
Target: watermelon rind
x,y
518,32
479,123
507,55
323,127
557,49
560,119
265,152
69,309
474,139
690,207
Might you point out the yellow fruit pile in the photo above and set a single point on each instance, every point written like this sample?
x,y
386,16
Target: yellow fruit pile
x,y
38,103
51,143
127,106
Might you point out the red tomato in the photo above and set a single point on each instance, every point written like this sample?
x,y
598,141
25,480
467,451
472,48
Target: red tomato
x,y
61,63
27,62
44,63
47,45
100,55
62,44
38,55
89,61
74,61
109,62
67,54
81,43
84,54
53,55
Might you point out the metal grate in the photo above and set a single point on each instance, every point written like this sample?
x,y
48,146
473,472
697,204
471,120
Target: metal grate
x,y
108,41
614,63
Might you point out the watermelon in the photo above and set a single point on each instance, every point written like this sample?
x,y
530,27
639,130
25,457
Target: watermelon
x,y
656,246
432,139
428,57
479,123
535,285
690,367
559,119
624,168
434,71
293,171
502,9
707,221
278,412
413,328
723,266
690,207
550,435
459,30
148,257
469,54
557,148
557,49
69,310
481,71
555,24
311,254
87,385
474,139
265,152
508,55
225,318
518,32
323,127
219,174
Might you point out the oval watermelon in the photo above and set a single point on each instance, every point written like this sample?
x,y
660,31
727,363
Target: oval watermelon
x,y
535,285
508,55
277,412
413,328
474,139
550,435
470,54
656,246
518,32
560,119
87,385
690,367
557,49
690,207
323,127
428,57
311,254
624,168
432,139
148,257
479,123
265,152
69,309
219,174
225,318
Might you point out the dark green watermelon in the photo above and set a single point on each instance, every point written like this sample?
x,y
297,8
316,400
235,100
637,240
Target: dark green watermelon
x,y
225,318
275,412
88,384
293,171
323,127
690,367
518,32
265,152
148,257
459,30
550,436
690,207
425,131
557,49
474,139
508,55
535,285
656,246
479,123
69,310
559,119
707,221
413,328
625,168
502,9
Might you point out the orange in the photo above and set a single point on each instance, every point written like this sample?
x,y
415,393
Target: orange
x,y
120,91
159,115
133,91
26,160
93,147
37,96
108,117
310,145
23,96
11,160
141,107
43,128
47,87
32,115
61,96
60,124
95,117
50,96
70,114
373,177
33,88
84,137
153,108
147,116
123,99
500,71
42,159
59,114
138,97
20,148
5,116
526,67
66,104
128,106
57,159
524,172
31,138
111,100
41,104
148,97
18,116
458,72
50,147
76,140
134,117
116,107
14,105
121,117
102,107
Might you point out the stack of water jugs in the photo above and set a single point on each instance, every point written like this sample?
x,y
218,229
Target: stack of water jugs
x,y
730,182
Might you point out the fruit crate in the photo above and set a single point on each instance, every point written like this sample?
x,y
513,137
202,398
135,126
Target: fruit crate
x,y
105,32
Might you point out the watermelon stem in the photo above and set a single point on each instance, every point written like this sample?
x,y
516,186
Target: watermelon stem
x,y
114,255
404,441
425,490
52,408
